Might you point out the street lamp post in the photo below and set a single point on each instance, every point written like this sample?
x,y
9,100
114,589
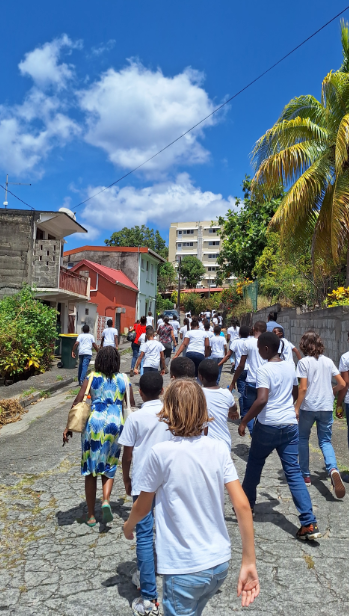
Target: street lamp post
x,y
179,286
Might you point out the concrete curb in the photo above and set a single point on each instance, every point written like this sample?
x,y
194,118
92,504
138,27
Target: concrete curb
x,y
24,402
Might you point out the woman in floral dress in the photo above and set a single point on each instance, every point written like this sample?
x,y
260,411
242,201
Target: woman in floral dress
x,y
100,439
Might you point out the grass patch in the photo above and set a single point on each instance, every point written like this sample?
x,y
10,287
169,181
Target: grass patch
x,y
59,378
126,351
28,392
44,394
309,561
74,392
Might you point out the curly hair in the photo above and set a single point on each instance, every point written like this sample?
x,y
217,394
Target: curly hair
x,y
107,361
311,344
185,408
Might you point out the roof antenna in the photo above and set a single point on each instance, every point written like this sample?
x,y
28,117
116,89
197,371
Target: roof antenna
x,y
12,184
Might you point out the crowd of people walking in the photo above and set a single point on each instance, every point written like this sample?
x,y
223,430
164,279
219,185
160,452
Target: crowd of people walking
x,y
176,457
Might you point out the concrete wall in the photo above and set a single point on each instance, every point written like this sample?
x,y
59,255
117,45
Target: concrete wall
x,y
46,264
332,324
127,262
16,250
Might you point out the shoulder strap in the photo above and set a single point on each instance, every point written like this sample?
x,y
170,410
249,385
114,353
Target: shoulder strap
x,y
127,392
88,386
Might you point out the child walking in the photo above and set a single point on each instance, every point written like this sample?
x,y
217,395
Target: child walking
x,y
236,349
192,542
218,349
142,430
286,347
182,368
153,353
220,402
276,428
315,405
343,395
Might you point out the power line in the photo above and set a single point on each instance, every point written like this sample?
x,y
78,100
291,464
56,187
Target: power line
x,y
215,110
15,196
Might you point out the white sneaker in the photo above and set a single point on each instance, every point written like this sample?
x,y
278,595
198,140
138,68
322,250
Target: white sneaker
x,y
136,579
143,607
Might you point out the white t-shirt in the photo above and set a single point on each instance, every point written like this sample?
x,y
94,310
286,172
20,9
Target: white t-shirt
x,y
85,344
176,326
236,346
233,333
209,334
287,354
279,377
217,344
150,321
196,341
160,322
250,348
141,431
201,325
141,338
151,350
208,314
109,334
220,320
188,476
219,401
215,320
319,372
344,367
183,330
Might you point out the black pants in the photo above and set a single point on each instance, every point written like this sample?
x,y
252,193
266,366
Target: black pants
x,y
167,352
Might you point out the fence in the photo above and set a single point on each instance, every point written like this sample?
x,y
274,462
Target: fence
x,y
72,282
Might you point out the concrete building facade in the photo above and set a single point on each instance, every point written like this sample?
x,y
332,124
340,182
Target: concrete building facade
x,y
138,264
199,239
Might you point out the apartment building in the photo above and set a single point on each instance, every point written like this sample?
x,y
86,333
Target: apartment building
x,y
200,239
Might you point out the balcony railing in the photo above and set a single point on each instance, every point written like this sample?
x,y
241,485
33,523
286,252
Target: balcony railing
x,y
73,282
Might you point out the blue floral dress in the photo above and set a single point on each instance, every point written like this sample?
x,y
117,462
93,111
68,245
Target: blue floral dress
x,y
99,441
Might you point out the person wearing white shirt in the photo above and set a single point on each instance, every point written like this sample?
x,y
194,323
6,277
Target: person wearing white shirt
x,y
201,323
233,330
150,319
276,429
182,332
208,330
315,405
141,340
220,402
220,319
192,543
142,430
249,353
286,347
85,342
160,321
218,349
343,395
197,344
153,353
235,350
176,325
110,335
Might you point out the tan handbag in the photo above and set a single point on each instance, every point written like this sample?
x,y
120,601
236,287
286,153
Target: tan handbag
x,y
127,409
80,412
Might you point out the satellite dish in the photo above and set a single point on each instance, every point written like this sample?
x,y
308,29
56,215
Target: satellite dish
x,y
67,211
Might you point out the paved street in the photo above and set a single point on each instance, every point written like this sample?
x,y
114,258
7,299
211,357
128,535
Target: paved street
x,y
52,565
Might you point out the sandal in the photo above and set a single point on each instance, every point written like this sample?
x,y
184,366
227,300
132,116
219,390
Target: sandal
x,y
90,521
107,513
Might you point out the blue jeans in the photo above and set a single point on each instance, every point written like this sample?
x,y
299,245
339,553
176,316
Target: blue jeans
x,y
324,421
135,352
188,593
241,386
84,361
197,358
217,360
250,395
347,416
141,372
285,440
145,555
150,369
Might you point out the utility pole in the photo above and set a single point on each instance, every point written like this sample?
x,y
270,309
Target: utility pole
x,y
12,184
179,287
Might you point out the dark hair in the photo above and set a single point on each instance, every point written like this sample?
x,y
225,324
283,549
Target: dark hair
x,y
143,320
149,314
311,344
151,384
260,326
174,318
166,319
149,330
107,361
186,322
182,367
206,324
270,340
85,328
194,323
235,322
244,331
217,330
280,329
110,322
209,370
272,316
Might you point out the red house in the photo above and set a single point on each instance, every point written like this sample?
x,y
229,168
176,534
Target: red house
x,y
112,291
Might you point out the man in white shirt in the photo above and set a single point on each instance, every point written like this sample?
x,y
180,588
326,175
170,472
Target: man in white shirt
x,y
142,430
85,342
110,335
250,353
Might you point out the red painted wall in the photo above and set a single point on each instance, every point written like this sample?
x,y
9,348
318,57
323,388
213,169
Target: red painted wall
x,y
111,296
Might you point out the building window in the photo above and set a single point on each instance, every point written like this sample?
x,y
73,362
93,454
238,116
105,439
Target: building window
x,y
179,232
179,245
213,243
151,273
142,264
87,310
212,230
39,234
188,244
211,268
213,256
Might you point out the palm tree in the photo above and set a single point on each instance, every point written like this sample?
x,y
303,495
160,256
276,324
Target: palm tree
x,y
307,151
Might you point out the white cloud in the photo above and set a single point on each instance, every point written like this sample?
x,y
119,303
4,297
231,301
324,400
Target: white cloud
x,y
159,204
97,51
133,113
42,65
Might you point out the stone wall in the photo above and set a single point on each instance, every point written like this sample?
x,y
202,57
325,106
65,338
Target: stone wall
x,y
16,249
331,323
127,262
46,264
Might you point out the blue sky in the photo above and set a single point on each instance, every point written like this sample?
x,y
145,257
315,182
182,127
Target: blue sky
x,y
91,90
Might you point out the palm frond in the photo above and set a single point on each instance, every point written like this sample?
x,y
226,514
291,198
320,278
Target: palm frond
x,y
335,96
345,46
322,238
305,107
342,142
286,166
340,214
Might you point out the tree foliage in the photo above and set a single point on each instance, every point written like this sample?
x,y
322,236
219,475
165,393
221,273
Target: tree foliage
x,y
167,276
27,334
243,233
163,304
138,237
192,270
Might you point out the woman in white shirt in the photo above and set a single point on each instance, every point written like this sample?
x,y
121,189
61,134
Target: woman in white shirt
x,y
150,319
196,344
218,349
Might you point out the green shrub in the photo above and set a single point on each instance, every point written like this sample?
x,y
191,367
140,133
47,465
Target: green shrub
x,y
27,334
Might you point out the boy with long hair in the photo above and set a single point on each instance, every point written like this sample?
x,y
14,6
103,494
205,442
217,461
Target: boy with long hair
x,y
192,542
